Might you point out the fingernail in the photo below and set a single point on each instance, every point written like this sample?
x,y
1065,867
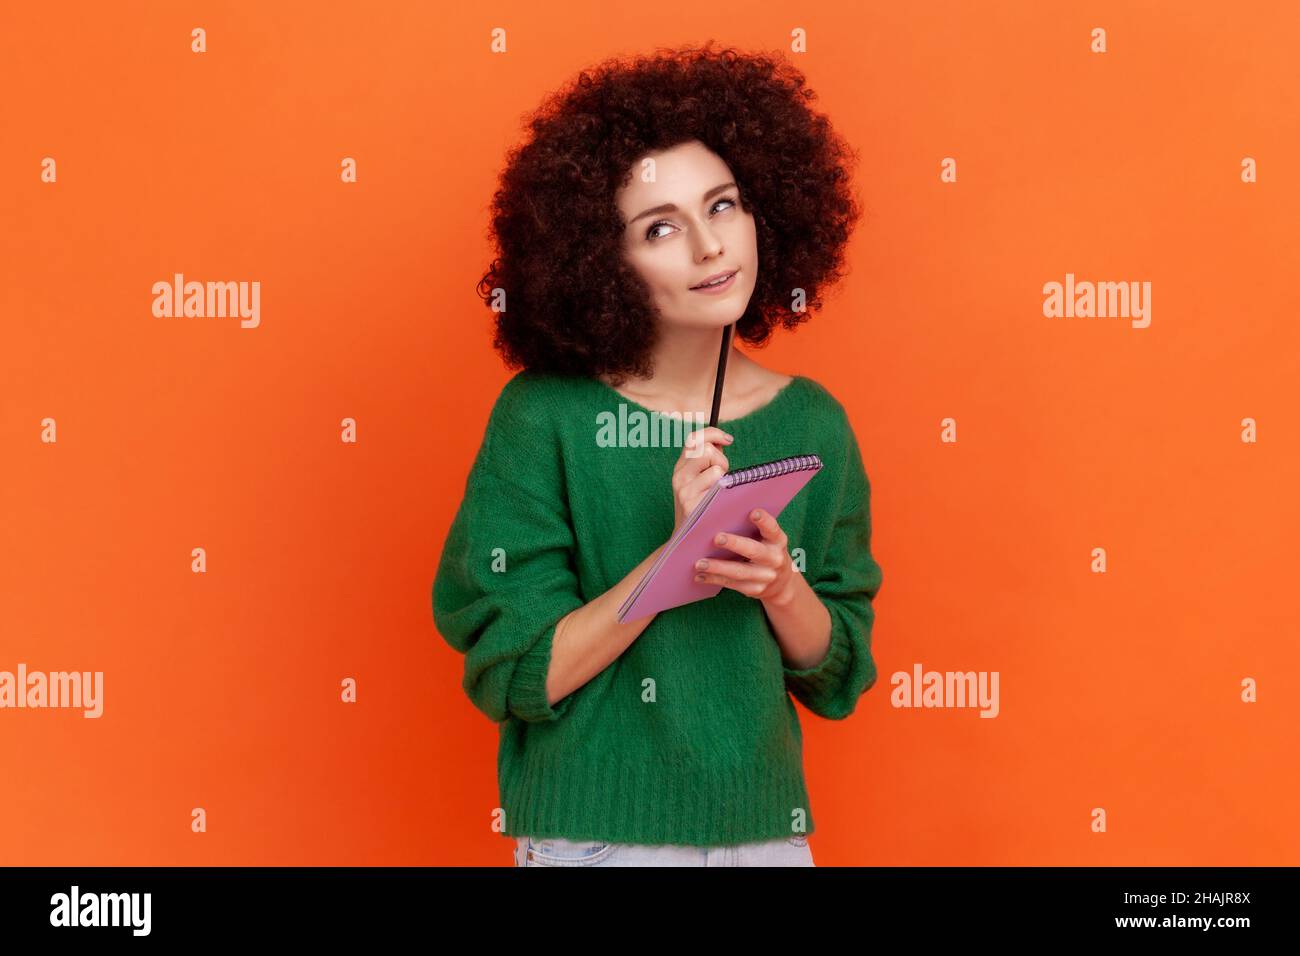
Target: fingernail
x,y
755,515
701,564
722,539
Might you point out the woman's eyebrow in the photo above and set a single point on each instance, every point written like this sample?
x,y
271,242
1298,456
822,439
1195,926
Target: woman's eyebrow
x,y
669,207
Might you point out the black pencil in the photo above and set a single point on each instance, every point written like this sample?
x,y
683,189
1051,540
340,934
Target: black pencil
x,y
722,370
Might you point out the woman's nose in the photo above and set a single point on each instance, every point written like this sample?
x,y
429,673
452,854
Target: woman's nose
x,y
707,241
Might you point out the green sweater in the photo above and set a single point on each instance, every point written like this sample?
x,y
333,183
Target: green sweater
x,y
689,736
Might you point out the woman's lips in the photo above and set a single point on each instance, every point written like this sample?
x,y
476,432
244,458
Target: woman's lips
x,y
722,286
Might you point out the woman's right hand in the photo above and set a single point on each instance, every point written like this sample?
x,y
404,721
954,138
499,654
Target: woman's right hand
x,y
698,468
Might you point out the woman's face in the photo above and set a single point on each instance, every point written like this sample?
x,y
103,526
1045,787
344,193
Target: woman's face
x,y
685,226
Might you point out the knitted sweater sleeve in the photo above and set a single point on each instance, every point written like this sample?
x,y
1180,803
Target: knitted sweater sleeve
x,y
847,581
506,576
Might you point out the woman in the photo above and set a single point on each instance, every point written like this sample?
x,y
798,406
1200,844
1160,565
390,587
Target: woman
x,y
656,203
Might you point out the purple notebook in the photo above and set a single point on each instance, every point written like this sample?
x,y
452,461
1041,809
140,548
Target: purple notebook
x,y
724,508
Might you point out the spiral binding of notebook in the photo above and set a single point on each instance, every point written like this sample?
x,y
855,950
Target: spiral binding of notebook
x,y
781,466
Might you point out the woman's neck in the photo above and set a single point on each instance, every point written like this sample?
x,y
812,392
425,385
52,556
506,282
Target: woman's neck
x,y
686,367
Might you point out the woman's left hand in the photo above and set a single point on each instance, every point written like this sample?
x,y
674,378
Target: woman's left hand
x,y
768,574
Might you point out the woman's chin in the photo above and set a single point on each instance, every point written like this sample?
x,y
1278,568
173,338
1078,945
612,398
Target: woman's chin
x,y
706,319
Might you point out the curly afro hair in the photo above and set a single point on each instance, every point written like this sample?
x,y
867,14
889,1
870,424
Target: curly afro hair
x,y
573,305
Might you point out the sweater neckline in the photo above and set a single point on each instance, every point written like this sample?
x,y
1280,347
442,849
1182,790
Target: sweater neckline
x,y
783,394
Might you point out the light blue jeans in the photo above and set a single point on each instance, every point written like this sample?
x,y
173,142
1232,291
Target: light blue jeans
x,y
553,851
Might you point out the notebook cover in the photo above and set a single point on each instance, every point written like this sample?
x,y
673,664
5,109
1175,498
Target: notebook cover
x,y
671,582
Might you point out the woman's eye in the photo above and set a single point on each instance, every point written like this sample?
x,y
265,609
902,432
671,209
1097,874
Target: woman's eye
x,y
650,233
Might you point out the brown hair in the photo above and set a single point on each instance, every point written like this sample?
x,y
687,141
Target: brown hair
x,y
573,305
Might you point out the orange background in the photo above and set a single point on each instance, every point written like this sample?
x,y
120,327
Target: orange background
x,y
1118,690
